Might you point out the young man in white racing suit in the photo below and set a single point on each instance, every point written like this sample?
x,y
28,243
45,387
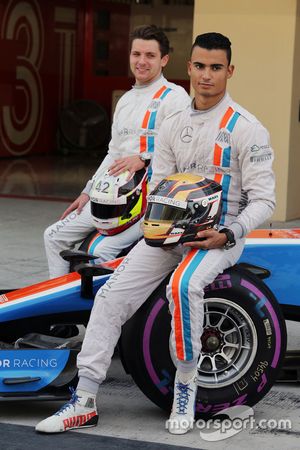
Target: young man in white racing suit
x,y
137,119
216,138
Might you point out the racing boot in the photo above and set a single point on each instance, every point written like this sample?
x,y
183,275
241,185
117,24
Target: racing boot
x,y
79,412
183,410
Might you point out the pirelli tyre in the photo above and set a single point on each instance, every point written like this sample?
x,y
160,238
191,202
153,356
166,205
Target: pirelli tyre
x,y
243,345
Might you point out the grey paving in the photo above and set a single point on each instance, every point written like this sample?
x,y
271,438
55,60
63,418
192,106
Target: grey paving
x,y
19,437
22,223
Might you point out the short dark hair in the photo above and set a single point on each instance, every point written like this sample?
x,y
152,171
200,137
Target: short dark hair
x,y
149,32
213,41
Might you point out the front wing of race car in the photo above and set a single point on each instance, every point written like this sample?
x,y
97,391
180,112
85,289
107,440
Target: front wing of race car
x,y
40,374
33,364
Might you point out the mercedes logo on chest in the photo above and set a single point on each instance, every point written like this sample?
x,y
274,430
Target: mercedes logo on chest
x,y
186,134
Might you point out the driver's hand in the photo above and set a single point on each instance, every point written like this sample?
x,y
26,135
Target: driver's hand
x,y
130,163
78,204
211,239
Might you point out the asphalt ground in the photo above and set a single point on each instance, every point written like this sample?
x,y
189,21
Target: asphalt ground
x,y
16,437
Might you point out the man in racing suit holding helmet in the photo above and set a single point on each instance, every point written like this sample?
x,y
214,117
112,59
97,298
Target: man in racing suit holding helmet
x,y
137,118
215,138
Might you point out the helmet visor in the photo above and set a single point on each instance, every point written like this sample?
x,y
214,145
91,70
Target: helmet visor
x,y
158,211
102,211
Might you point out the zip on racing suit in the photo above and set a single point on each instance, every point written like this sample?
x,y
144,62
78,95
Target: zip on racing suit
x,y
137,118
229,145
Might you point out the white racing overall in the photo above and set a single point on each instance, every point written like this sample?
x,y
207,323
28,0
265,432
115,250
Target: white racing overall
x,y
137,118
229,145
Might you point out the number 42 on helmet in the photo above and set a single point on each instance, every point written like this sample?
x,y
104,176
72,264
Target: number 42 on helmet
x,y
117,202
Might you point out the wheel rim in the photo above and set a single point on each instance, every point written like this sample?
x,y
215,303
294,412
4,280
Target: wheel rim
x,y
229,344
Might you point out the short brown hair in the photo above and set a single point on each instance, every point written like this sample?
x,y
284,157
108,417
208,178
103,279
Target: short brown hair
x,y
152,32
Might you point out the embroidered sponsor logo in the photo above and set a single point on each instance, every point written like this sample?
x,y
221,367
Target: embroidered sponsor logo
x,y
62,223
154,105
148,132
256,148
206,169
127,132
108,285
261,158
223,138
186,134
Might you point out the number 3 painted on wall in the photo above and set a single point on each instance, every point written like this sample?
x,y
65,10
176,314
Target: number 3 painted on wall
x,y
21,121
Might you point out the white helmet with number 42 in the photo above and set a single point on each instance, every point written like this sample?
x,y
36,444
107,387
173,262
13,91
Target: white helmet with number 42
x,y
117,202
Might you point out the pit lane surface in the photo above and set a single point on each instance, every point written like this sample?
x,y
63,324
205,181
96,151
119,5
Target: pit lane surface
x,y
124,411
